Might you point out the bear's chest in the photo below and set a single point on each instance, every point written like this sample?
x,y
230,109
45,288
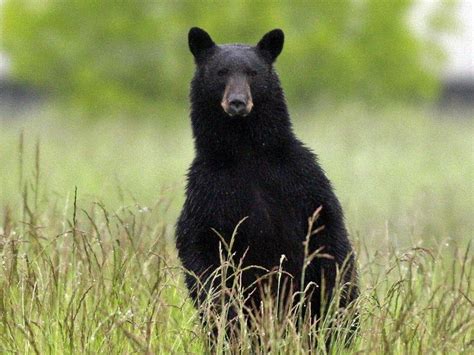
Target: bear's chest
x,y
264,208
270,199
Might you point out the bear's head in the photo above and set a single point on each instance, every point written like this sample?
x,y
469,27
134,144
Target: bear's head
x,y
235,78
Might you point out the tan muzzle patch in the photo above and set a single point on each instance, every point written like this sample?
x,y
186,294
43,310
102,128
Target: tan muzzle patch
x,y
237,98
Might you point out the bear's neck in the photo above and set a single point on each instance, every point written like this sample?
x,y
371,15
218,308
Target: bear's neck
x,y
265,131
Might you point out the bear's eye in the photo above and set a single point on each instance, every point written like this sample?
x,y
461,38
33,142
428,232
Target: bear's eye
x,y
222,72
252,73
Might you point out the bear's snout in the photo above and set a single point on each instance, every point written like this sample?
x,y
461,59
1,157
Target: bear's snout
x,y
237,99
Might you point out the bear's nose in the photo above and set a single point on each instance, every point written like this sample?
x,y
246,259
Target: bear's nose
x,y
238,106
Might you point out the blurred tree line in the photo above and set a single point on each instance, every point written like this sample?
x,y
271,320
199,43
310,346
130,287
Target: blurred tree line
x,y
108,56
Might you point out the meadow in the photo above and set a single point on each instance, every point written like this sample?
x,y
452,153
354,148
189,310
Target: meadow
x,y
87,217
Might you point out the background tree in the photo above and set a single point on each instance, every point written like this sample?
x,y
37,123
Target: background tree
x,y
106,56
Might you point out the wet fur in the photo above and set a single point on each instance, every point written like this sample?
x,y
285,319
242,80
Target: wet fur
x,y
255,167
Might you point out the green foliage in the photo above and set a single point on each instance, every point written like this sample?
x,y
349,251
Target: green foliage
x,y
120,56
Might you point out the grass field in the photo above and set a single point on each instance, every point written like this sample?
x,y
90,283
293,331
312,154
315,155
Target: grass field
x,y
86,234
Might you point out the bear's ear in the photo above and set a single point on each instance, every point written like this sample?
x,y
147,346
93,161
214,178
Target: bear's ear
x,y
199,41
271,44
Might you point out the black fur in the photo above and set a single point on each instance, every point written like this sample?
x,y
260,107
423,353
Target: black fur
x,y
255,167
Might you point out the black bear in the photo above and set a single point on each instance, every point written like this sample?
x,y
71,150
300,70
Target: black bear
x,y
249,165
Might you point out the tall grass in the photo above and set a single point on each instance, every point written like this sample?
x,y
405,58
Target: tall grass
x,y
88,269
